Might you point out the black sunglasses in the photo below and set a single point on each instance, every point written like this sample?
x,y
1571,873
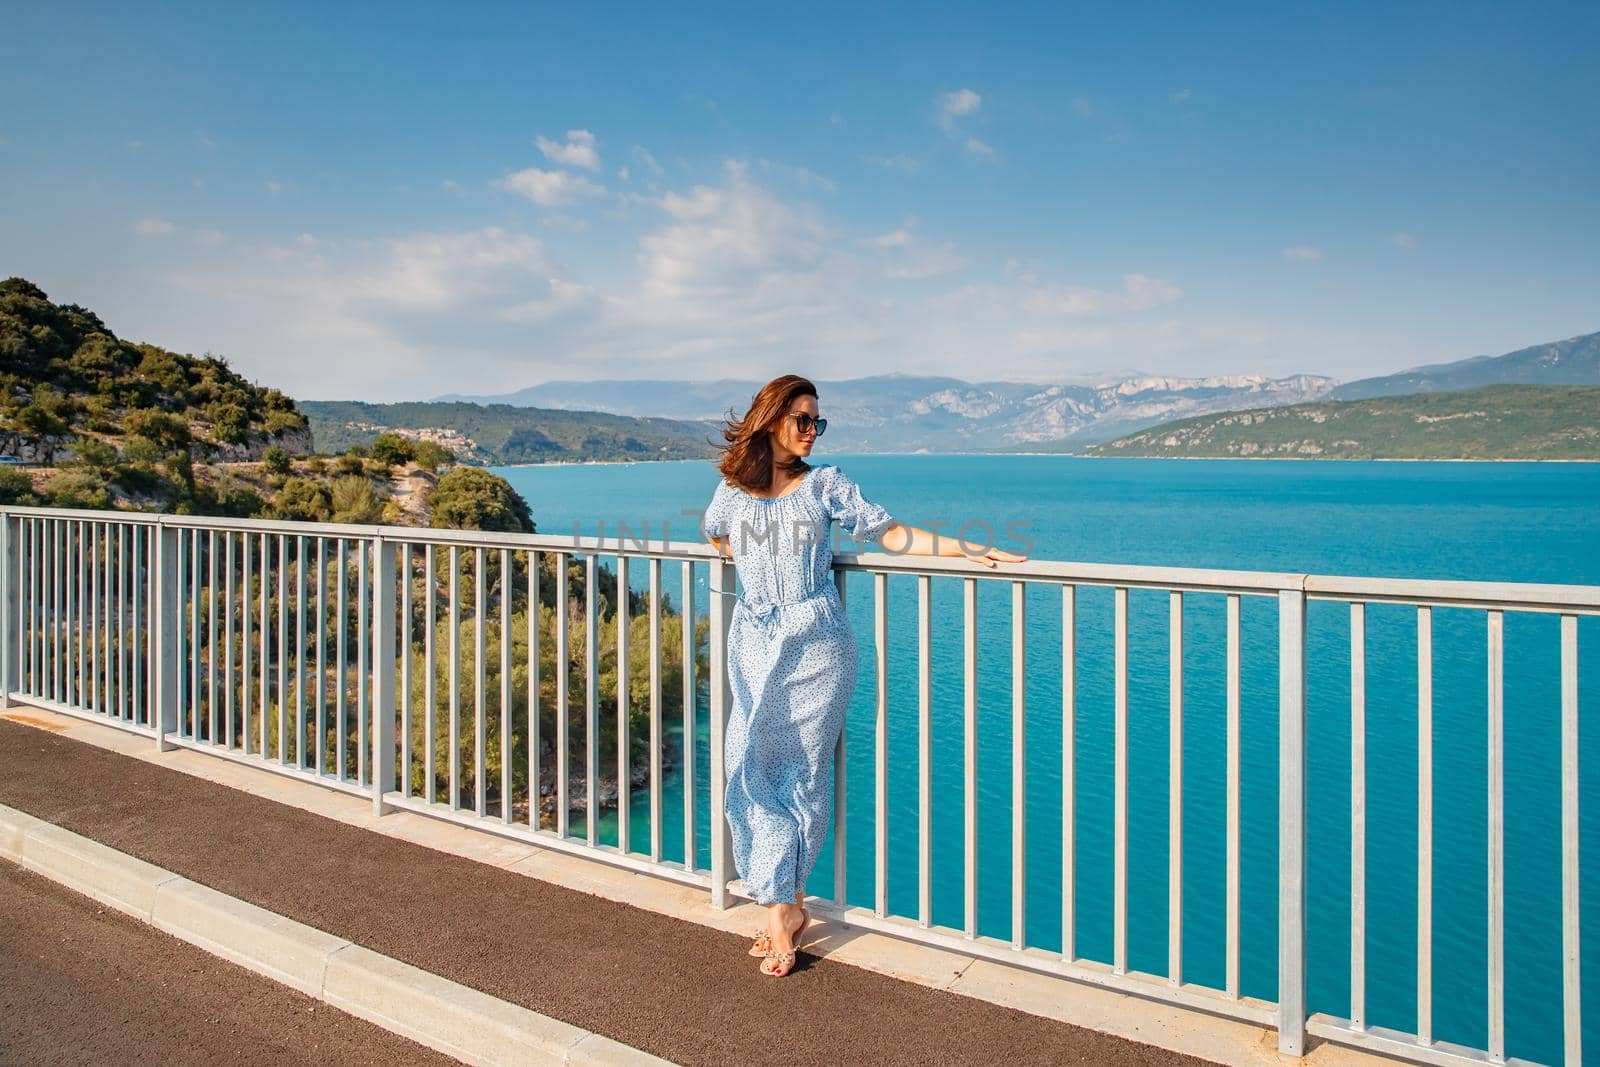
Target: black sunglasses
x,y
805,423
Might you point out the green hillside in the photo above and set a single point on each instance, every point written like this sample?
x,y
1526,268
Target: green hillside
x,y
1523,422
501,433
66,380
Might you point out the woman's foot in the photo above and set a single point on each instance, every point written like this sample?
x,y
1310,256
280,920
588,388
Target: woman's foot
x,y
784,922
763,940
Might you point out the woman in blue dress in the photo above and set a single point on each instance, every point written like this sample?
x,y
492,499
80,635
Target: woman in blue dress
x,y
791,652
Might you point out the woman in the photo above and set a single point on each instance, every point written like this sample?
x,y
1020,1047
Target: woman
x,y
791,651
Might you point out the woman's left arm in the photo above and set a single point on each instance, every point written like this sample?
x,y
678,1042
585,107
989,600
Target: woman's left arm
x,y
903,540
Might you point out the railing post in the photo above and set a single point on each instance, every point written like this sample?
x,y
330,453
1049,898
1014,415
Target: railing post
x,y
164,621
9,610
383,687
721,612
1292,821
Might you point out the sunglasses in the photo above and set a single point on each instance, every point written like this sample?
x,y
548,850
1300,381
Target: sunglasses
x,y
805,423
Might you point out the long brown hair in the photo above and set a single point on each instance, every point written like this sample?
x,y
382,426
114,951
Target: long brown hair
x,y
747,457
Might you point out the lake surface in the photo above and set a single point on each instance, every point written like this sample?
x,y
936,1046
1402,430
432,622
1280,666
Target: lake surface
x,y
1488,521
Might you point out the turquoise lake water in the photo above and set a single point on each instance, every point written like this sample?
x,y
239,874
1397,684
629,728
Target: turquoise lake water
x,y
1480,521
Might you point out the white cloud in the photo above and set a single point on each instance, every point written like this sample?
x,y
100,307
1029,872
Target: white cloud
x,y
274,188
1081,107
1139,292
730,272
800,176
622,174
1302,254
577,151
898,161
550,188
980,149
958,104
451,186
209,238
1182,96
153,227
836,119
643,156
1404,240
904,254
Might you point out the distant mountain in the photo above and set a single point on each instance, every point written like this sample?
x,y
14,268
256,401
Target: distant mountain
x,y
1494,422
906,413
500,433
1575,361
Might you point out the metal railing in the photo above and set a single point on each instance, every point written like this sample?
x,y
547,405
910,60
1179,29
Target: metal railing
x,y
406,665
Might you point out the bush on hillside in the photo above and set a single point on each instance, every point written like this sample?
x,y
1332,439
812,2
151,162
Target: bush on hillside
x,y
354,501
392,449
470,498
77,487
302,499
16,487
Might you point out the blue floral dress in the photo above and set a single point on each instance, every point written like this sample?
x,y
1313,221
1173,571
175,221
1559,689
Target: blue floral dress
x,y
791,668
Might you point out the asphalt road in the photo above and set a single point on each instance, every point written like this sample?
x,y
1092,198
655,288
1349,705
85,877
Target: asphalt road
x,y
84,983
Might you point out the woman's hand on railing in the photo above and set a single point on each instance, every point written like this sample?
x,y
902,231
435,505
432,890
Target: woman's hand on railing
x,y
993,556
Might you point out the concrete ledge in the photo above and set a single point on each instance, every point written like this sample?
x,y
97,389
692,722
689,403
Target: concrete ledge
x,y
91,868
14,826
462,1022
253,937
443,1015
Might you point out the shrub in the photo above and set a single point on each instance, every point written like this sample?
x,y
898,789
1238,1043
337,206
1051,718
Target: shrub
x,y
230,422
392,449
94,454
354,500
431,454
470,498
303,499
16,487
165,430
276,460
77,487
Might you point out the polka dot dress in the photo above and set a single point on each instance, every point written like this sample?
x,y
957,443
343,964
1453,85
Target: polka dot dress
x,y
791,669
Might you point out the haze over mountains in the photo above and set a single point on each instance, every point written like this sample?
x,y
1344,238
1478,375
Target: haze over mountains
x,y
1575,361
907,413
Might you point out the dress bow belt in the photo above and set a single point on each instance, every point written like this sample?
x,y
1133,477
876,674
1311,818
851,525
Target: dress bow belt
x,y
765,612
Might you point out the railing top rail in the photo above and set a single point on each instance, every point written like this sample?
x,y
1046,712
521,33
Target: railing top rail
x,y
1515,596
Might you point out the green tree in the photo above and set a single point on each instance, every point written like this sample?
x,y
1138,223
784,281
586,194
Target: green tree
x,y
94,454
302,499
230,422
276,460
16,487
77,487
470,498
166,430
354,501
431,455
392,449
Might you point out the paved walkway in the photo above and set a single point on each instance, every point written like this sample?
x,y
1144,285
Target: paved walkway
x,y
672,988
84,983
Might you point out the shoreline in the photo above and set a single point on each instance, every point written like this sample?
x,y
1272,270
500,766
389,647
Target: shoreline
x,y
1062,455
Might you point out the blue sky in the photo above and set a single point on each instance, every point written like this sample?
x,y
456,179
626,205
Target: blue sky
x,y
389,203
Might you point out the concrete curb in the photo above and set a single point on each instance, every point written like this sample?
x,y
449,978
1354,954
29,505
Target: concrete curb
x,y
446,1016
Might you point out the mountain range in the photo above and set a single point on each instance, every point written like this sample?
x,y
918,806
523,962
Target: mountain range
x,y
1575,361
908,413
